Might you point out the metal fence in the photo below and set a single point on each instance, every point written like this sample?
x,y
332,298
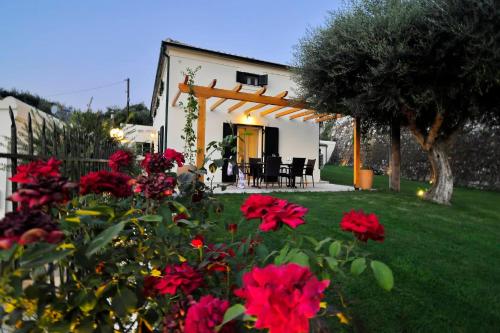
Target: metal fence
x,y
79,152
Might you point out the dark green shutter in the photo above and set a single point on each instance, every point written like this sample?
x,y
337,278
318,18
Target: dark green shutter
x,y
271,141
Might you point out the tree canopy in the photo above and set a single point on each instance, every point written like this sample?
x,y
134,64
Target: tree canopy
x,y
430,65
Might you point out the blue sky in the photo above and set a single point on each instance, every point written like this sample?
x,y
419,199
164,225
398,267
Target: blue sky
x,y
55,47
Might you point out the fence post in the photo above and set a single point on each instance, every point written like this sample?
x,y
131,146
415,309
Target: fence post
x,y
44,139
30,135
55,138
13,151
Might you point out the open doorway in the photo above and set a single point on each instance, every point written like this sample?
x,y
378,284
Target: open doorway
x,y
249,143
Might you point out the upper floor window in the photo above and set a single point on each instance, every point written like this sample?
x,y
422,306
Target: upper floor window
x,y
251,79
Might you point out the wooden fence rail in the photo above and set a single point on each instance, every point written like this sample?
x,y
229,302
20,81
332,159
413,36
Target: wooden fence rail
x,y
79,152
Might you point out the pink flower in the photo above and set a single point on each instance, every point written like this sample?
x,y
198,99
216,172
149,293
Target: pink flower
x,y
181,276
35,171
205,315
364,226
273,212
283,298
116,183
173,155
120,159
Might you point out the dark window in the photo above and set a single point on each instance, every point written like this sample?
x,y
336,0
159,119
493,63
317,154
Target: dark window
x,y
251,79
162,87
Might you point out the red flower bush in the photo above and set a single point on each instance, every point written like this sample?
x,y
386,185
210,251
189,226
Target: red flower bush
x,y
205,315
116,183
156,162
273,212
27,227
35,171
120,159
283,298
173,155
47,191
364,226
155,185
181,276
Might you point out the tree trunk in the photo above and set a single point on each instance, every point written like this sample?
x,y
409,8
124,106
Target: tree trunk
x,y
395,159
442,186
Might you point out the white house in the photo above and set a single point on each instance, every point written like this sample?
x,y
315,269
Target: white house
x,y
21,111
270,129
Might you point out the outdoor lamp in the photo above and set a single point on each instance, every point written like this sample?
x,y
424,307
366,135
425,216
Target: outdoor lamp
x,y
116,133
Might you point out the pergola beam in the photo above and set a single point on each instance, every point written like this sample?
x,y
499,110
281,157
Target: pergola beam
x,y
327,117
178,94
271,110
243,102
302,114
206,92
222,100
261,105
313,116
284,113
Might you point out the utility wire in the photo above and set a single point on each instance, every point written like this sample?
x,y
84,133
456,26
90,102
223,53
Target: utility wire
x,y
86,89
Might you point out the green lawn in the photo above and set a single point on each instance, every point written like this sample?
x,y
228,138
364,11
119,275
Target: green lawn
x,y
445,259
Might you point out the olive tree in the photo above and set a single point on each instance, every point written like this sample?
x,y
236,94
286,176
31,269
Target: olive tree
x,y
428,65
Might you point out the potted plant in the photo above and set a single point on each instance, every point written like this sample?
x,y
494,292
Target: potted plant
x,y
366,178
189,135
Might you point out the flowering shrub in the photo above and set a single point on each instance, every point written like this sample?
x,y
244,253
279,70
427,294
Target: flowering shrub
x,y
120,160
140,252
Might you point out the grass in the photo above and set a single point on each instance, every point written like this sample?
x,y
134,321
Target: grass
x,y
445,259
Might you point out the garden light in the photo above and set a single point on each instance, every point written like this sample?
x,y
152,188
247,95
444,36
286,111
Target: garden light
x,y
420,193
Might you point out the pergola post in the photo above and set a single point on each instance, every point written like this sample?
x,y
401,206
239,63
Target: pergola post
x,y
200,134
395,159
356,151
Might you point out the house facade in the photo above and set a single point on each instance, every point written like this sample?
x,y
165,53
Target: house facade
x,y
265,131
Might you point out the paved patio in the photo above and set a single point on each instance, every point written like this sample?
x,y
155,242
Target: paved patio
x,y
319,187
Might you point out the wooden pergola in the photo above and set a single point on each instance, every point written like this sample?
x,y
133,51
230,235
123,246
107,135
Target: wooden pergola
x,y
278,106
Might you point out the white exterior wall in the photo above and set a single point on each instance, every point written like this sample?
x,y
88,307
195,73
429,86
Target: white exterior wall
x,y
21,111
296,137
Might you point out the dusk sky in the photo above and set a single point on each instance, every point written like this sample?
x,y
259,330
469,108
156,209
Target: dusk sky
x,y
62,49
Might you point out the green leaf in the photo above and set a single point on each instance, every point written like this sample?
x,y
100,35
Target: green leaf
x,y
334,249
262,251
282,256
321,243
43,258
124,302
104,238
358,266
151,218
232,313
383,274
300,258
332,263
312,240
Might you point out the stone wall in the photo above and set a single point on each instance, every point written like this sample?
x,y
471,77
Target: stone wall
x,y
474,154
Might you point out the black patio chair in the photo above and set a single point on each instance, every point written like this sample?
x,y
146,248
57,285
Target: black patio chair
x,y
271,171
294,171
254,170
309,170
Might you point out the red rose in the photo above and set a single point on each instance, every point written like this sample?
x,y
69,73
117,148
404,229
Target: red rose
x,y
364,226
273,212
120,159
155,185
35,171
156,163
283,298
116,183
44,192
173,155
257,205
197,242
181,276
149,286
28,226
205,315
180,216
232,228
